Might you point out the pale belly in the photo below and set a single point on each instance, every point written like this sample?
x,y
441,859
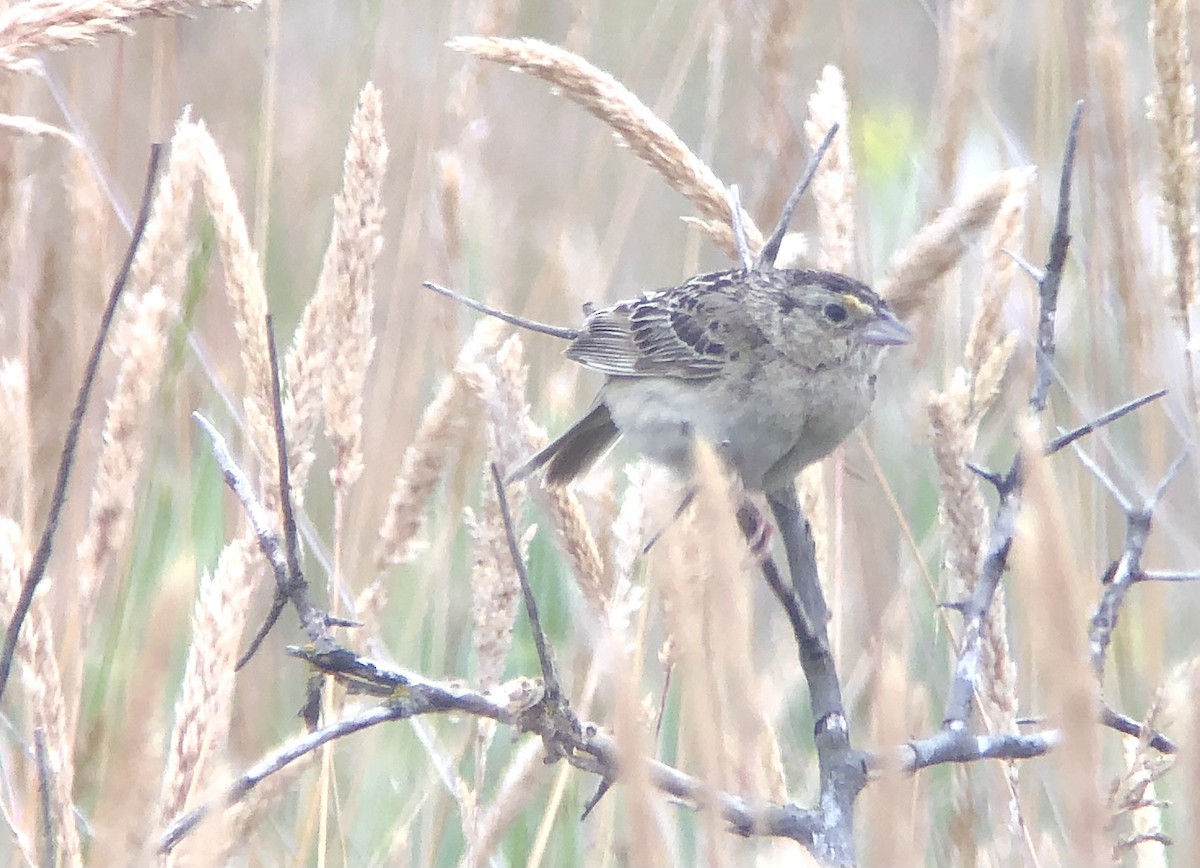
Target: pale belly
x,y
768,438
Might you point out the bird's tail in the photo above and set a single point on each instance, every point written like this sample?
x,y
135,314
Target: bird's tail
x,y
574,451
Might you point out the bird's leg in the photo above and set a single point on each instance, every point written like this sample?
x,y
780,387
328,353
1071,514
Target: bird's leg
x,y
756,527
796,533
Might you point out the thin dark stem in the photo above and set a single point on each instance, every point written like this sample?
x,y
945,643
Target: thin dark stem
x,y
1168,576
1048,286
1128,726
58,498
545,659
312,620
1067,438
291,540
770,250
566,334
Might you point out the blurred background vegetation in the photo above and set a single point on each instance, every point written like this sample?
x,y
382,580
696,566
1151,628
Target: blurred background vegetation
x,y
552,212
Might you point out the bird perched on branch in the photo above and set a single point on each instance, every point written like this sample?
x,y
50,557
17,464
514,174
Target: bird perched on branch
x,y
774,367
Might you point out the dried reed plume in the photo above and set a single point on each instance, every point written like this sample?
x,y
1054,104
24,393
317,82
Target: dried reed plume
x,y
204,709
606,98
141,345
248,302
51,25
833,186
348,282
441,430
162,255
43,686
578,542
939,245
499,381
1172,108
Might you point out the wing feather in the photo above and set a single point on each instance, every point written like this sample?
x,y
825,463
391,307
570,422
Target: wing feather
x,y
680,333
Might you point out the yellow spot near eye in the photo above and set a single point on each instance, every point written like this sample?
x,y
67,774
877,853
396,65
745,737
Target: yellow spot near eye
x,y
854,303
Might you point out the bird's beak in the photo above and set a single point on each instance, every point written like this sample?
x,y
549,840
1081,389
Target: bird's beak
x,y
886,331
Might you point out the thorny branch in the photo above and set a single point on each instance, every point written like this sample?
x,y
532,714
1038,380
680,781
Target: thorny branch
x,y
1122,574
1009,486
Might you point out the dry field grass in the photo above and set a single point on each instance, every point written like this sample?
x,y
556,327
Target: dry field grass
x,y
325,159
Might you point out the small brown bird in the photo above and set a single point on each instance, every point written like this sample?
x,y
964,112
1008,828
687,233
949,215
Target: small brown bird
x,y
774,367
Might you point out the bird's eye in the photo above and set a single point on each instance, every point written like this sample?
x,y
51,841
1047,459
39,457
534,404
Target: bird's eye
x,y
835,313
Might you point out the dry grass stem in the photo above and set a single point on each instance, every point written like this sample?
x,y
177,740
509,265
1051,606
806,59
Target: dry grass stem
x,y
891,805
11,151
1045,570
442,428
52,25
629,536
1172,108
834,184
725,722
141,345
14,439
489,18
450,192
965,41
777,30
43,685
348,275
27,126
90,213
610,101
939,245
1123,251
